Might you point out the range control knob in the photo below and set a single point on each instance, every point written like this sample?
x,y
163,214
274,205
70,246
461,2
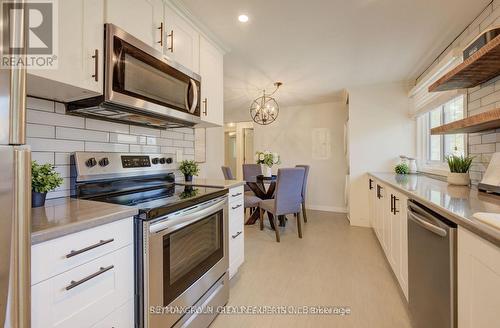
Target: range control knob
x,y
169,160
163,160
155,160
104,161
91,162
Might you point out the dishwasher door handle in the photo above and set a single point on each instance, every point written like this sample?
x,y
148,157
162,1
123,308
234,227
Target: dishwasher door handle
x,y
426,225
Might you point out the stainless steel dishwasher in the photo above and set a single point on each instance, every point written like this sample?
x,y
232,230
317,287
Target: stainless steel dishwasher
x,y
432,274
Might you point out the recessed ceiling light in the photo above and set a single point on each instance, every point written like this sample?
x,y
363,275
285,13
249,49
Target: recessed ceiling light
x,y
243,18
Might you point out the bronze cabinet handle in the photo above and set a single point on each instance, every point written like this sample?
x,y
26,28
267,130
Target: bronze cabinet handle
x,y
74,283
161,34
237,234
205,102
86,249
171,36
236,195
96,65
235,207
395,209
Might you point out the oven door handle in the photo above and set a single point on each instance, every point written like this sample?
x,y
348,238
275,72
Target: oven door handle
x,y
179,220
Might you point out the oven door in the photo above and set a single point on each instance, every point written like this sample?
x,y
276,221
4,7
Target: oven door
x,y
140,77
187,256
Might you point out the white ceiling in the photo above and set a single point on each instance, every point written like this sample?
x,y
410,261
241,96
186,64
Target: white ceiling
x,y
318,47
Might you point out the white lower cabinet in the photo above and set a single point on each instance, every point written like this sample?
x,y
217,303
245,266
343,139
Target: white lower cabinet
x,y
236,230
478,284
388,216
90,292
122,317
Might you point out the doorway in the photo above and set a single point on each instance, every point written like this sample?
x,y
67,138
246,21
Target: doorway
x,y
238,147
248,153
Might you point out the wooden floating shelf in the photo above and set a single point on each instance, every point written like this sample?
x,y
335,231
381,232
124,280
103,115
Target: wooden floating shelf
x,y
476,123
481,67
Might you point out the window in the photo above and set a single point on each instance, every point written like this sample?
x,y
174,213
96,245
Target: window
x,y
440,146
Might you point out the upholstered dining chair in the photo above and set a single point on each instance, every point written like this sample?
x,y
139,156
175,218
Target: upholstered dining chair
x,y
228,174
304,189
250,173
287,199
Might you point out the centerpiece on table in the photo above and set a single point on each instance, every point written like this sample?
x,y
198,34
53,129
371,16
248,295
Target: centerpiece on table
x,y
459,169
189,168
267,159
43,179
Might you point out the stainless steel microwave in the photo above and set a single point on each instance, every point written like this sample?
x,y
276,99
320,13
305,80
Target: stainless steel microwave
x,y
142,86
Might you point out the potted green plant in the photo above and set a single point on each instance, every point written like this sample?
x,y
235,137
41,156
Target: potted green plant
x,y
267,159
459,169
43,180
189,168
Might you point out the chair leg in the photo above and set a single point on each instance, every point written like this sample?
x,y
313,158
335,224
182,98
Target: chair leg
x,y
299,225
304,211
276,229
261,218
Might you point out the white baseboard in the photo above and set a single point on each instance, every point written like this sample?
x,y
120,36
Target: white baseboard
x,y
335,209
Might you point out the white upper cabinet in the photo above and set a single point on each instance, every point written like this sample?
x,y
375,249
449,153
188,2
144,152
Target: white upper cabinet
x,y
181,40
212,94
80,53
140,18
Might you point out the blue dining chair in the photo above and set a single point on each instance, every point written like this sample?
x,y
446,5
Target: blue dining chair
x,y
228,174
304,189
250,173
287,199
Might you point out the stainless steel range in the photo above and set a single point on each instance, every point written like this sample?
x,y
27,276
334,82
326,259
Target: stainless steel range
x,y
180,235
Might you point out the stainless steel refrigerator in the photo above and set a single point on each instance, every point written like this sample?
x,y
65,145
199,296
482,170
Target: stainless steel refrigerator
x,y
15,187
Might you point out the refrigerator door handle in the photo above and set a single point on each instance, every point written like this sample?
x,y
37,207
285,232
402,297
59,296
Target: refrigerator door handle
x,y
20,280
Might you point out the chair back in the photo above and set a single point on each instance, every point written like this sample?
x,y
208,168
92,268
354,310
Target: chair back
x,y
251,171
288,195
228,174
304,185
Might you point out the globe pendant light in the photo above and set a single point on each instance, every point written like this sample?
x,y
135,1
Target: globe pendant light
x,y
264,110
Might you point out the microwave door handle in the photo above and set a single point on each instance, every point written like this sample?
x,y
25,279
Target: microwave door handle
x,y
195,96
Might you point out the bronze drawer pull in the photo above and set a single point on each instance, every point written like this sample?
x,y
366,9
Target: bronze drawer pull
x,y
205,102
161,34
83,250
74,284
235,207
237,234
96,65
236,195
171,36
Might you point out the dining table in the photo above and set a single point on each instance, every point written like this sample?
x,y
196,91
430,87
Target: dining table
x,y
264,188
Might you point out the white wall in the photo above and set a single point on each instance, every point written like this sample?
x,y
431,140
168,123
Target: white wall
x,y
291,137
211,169
379,131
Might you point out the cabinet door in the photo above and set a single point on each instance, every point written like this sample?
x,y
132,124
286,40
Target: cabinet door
x,y
478,281
372,198
380,212
394,219
182,41
141,18
211,71
401,206
120,318
81,33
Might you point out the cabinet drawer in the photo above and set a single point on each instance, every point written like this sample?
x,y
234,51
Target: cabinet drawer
x,y
62,254
236,218
83,296
236,194
122,317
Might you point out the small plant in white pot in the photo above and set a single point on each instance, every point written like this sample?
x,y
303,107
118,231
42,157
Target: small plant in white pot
x,y
459,169
266,159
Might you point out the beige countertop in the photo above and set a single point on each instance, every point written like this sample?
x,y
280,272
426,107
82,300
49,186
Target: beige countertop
x,y
63,216
213,183
457,203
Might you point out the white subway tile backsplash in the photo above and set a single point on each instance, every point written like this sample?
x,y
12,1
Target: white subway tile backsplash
x,y
42,157
40,104
53,136
41,117
139,130
54,145
40,131
92,124
106,147
81,134
489,138
474,140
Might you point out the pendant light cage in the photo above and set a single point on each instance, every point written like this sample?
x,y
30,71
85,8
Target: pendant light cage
x,y
264,110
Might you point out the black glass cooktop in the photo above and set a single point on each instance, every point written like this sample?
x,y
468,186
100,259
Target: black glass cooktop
x,y
153,203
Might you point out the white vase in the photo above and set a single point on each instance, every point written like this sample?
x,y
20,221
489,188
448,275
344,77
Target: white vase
x,y
266,171
459,179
